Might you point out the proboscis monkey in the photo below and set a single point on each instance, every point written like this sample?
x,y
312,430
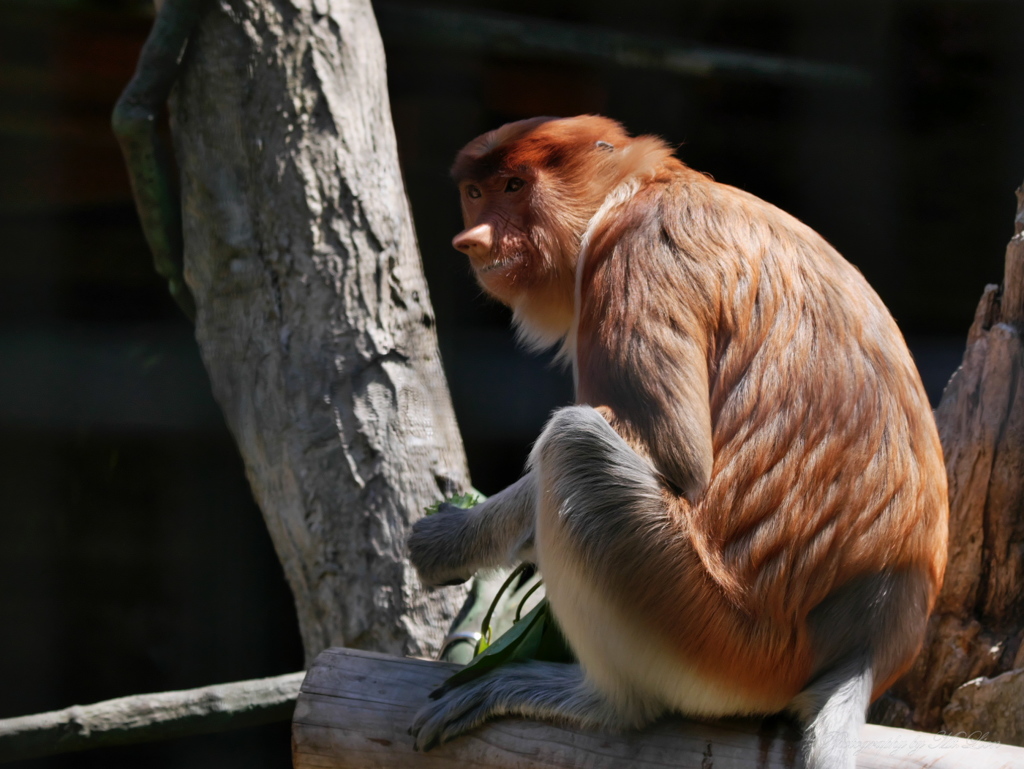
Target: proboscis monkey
x,y
745,512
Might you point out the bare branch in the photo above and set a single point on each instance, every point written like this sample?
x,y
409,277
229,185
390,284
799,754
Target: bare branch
x,y
524,37
149,717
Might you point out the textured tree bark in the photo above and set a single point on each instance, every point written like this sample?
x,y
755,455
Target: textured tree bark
x,y
313,316
978,627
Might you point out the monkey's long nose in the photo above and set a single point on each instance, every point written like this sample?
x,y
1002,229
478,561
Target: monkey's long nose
x,y
475,242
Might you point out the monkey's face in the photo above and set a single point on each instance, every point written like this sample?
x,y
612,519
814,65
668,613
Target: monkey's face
x,y
500,233
528,191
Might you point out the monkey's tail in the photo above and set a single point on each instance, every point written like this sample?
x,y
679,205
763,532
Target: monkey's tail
x,y
833,709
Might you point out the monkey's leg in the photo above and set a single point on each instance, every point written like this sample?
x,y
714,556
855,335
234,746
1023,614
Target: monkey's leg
x,y
548,691
588,478
450,546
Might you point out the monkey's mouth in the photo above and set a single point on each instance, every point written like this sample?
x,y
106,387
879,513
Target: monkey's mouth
x,y
502,263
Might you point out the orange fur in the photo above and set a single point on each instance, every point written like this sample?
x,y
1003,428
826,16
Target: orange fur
x,y
738,352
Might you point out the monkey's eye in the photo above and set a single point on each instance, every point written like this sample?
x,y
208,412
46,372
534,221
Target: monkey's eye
x,y
473,191
514,184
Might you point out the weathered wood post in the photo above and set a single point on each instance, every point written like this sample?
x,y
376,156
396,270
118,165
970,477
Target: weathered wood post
x,y
978,626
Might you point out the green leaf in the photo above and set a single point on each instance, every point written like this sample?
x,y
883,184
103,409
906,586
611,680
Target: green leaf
x,y
553,647
519,643
534,637
465,501
499,600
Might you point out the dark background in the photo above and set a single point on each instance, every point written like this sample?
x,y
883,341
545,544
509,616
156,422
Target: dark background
x,y
132,558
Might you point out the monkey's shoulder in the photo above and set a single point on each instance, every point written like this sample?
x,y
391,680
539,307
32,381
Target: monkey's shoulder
x,y
686,244
685,221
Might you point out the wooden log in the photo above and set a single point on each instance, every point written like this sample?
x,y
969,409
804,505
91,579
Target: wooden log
x,y
149,717
354,710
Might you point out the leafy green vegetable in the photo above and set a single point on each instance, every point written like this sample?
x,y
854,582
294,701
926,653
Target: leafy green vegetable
x,y
485,624
465,501
535,636
519,643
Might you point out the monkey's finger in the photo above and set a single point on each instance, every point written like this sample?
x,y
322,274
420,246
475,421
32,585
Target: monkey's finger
x,y
426,735
456,581
441,690
447,718
431,744
469,720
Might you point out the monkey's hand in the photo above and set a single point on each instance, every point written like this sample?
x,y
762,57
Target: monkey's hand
x,y
438,547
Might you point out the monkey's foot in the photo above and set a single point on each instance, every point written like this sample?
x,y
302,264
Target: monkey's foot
x,y
454,713
550,691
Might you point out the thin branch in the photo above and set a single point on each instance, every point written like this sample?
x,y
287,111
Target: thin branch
x,y
522,37
150,717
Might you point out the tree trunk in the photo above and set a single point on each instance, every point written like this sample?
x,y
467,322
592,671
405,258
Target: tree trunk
x,y
978,626
313,316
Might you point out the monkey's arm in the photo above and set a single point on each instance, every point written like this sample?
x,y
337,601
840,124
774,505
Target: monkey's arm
x,y
453,544
668,417
642,348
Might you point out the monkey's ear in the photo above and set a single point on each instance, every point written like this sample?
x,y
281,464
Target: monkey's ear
x,y
603,145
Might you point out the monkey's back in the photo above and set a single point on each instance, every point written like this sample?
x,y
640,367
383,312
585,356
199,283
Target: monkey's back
x,y
826,467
